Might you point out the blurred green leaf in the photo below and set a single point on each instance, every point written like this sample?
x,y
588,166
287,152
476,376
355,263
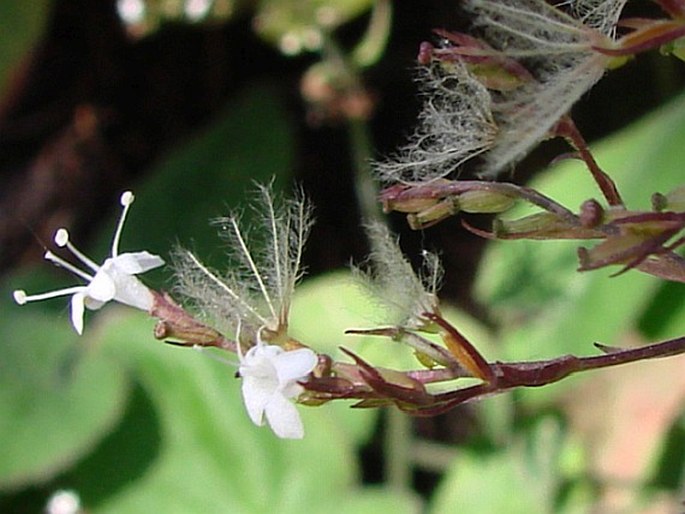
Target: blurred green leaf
x,y
23,24
525,477
58,395
547,308
324,307
487,483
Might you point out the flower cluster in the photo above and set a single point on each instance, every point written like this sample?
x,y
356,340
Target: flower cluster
x,y
488,100
253,300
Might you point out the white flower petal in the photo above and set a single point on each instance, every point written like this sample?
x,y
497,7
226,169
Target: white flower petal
x,y
283,418
102,287
77,311
294,365
137,262
257,393
270,375
93,304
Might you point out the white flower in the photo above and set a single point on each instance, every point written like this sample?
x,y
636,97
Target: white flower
x,y
252,298
270,379
113,280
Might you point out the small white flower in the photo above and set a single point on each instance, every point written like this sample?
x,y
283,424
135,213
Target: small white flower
x,y
270,380
253,299
113,280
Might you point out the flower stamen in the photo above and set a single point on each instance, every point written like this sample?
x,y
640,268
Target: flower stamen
x,y
62,240
126,200
58,261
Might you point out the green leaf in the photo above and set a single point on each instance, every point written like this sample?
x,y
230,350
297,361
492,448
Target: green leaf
x,y
325,307
524,478
58,395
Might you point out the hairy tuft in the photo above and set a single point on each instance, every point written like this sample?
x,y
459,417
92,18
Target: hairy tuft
x,y
556,46
391,279
455,125
461,119
265,263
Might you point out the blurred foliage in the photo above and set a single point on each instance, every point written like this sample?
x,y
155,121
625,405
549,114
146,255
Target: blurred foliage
x,y
169,422
203,435
56,400
293,26
27,20
523,478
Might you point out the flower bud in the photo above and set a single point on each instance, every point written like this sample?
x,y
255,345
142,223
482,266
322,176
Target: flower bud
x,y
484,202
614,250
409,205
538,224
434,214
591,213
494,76
672,201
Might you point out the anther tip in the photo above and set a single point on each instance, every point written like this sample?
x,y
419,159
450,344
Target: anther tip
x,y
61,237
19,296
126,198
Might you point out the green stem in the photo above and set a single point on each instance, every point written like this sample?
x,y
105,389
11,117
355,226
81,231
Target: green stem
x,y
365,187
397,451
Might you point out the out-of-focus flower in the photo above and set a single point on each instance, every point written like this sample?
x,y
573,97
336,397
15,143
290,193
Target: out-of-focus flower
x,y
63,502
113,280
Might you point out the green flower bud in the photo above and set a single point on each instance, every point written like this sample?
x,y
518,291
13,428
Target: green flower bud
x,y
434,214
483,202
535,225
